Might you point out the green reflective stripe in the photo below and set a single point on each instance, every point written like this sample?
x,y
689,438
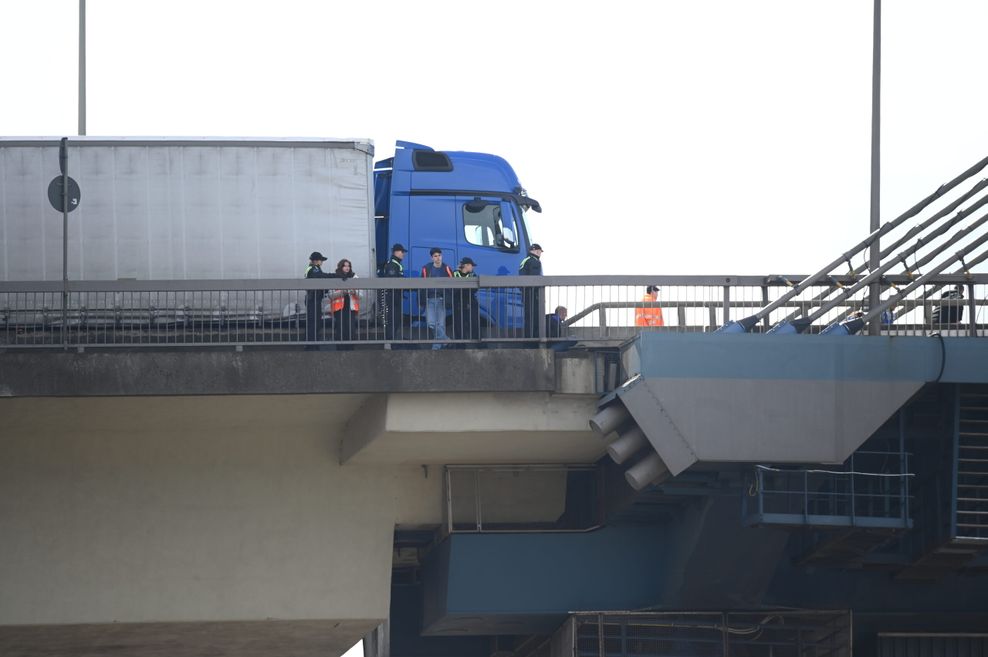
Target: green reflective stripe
x,y
307,270
522,265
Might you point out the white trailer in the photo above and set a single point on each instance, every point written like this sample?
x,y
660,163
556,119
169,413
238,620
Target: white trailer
x,y
187,208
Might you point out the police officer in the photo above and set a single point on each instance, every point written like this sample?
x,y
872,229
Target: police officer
x,y
313,300
466,311
531,302
391,299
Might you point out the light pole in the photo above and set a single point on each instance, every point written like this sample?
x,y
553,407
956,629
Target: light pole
x,y
82,67
874,292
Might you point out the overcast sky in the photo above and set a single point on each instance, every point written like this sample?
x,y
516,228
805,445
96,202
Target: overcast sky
x,y
720,137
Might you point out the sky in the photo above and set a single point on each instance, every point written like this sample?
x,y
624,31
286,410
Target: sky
x,y
707,137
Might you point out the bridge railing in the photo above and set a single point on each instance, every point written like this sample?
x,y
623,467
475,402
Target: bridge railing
x,y
505,310
761,633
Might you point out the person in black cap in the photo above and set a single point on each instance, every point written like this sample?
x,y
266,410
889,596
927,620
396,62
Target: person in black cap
x,y
466,310
531,296
313,300
391,299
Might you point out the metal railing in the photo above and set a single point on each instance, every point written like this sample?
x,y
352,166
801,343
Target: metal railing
x,y
508,310
871,489
768,633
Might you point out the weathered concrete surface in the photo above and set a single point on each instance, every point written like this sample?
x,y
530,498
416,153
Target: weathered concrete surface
x,y
272,372
239,639
188,503
191,511
449,428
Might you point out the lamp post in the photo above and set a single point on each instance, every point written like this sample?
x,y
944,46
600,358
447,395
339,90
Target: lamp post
x,y
82,67
874,292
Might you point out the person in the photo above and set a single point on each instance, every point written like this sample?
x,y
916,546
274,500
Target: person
x,y
345,305
951,312
435,298
313,300
649,316
531,301
466,310
392,299
555,328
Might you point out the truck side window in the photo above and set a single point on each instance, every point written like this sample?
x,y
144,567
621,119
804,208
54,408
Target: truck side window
x,y
484,225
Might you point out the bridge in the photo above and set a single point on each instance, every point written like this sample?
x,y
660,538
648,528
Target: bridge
x,y
179,476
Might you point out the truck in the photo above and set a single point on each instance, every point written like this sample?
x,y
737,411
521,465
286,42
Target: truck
x,y
229,208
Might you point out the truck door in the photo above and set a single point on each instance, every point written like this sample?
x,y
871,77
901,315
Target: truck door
x,y
432,222
490,236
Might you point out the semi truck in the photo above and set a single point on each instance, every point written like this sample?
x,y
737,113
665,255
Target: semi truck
x,y
216,208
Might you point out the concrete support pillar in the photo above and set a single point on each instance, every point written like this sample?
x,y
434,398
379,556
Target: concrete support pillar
x,y
377,642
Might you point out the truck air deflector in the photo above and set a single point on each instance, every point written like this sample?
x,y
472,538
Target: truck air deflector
x,y
525,201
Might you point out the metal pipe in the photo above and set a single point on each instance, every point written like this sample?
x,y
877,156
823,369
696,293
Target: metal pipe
x,y
63,164
914,231
876,274
874,293
608,419
627,445
939,286
888,226
876,312
646,471
82,67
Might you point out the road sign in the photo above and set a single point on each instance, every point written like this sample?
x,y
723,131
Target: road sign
x,y
55,194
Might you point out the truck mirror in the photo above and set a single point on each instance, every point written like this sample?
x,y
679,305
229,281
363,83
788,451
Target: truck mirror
x,y
508,236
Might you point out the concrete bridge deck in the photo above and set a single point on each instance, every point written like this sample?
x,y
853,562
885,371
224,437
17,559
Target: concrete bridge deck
x,y
196,502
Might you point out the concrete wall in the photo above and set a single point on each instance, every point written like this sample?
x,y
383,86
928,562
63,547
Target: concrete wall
x,y
473,427
176,510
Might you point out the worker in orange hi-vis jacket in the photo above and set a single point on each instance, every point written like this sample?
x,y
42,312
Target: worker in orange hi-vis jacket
x,y
649,316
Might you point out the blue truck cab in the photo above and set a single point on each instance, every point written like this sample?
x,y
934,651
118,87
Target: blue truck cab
x,y
467,204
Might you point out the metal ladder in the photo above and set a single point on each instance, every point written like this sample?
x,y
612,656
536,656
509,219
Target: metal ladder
x,y
971,465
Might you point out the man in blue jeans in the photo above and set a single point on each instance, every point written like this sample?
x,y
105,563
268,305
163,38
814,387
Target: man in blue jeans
x,y
435,299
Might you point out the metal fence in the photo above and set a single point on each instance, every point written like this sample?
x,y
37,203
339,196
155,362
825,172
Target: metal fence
x,y
559,312
871,489
788,633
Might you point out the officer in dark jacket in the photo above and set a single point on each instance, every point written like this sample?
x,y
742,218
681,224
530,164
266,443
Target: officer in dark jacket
x,y
531,296
950,312
391,299
313,300
466,310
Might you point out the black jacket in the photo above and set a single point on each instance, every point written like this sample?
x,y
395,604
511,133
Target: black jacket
x,y
393,269
313,271
530,266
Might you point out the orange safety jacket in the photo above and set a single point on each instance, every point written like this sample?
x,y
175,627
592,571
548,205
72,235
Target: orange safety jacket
x,y
649,316
339,297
